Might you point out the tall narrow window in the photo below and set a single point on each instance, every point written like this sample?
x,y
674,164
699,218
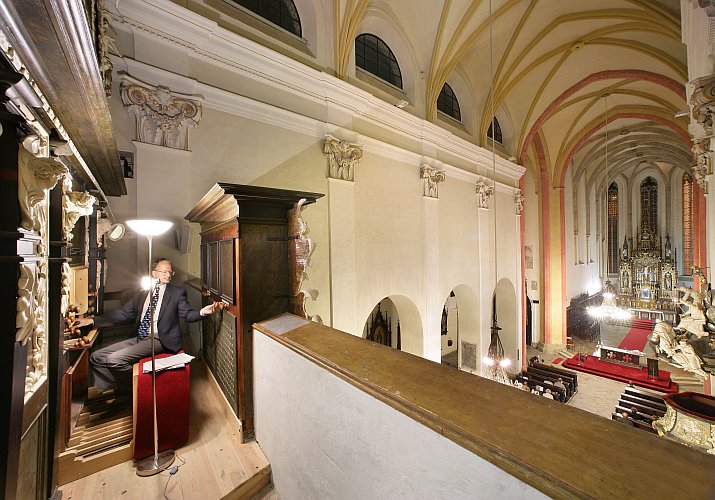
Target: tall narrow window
x,y
612,228
374,56
649,205
279,12
447,103
687,224
495,131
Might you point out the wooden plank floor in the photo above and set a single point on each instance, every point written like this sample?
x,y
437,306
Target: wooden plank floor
x,y
216,464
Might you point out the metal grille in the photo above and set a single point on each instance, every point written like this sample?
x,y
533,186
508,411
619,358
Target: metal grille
x,y
219,337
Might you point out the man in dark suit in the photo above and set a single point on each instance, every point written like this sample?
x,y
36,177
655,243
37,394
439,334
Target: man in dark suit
x,y
112,365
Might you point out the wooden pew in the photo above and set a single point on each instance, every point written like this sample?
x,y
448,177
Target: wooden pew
x,y
635,391
547,384
570,390
647,402
641,408
564,374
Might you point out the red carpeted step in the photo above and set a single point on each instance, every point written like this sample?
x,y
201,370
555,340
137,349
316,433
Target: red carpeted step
x,y
643,324
635,376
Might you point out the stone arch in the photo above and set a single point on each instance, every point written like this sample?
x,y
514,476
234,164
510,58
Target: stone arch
x,y
405,321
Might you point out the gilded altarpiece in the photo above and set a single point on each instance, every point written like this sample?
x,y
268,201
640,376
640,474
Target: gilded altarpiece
x,y
647,273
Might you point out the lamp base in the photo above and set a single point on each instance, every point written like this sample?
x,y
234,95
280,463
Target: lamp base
x,y
149,466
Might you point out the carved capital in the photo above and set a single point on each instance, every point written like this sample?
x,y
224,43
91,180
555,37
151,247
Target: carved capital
x,y
484,192
161,117
702,101
37,176
519,202
75,204
431,177
343,156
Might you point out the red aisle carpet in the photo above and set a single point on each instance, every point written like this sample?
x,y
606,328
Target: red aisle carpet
x,y
557,361
637,337
635,376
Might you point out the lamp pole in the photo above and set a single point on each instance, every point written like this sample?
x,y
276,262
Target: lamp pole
x,y
157,462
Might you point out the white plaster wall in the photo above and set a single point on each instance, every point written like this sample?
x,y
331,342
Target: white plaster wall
x,y
532,239
326,439
580,275
377,237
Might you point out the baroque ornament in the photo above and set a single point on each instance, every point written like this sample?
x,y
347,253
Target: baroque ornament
x,y
75,205
484,192
703,167
105,44
37,176
432,178
343,156
161,117
702,101
519,202
300,253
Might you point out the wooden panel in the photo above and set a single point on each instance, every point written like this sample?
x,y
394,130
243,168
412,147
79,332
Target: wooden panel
x,y
53,39
228,270
78,288
213,267
566,452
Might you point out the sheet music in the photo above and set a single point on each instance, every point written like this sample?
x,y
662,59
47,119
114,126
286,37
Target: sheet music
x,y
168,363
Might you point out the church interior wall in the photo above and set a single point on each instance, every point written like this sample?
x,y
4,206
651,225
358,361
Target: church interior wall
x,y
533,260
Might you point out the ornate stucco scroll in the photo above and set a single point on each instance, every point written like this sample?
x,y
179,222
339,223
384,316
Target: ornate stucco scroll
x,y
37,176
484,192
519,202
75,204
299,256
431,177
702,101
161,117
343,157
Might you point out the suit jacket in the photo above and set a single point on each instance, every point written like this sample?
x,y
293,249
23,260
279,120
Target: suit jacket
x,y
174,305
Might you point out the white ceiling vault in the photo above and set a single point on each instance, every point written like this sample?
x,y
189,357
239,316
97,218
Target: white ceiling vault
x,y
565,73
552,62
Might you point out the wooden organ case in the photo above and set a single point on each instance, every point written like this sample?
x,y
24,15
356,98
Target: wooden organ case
x,y
253,256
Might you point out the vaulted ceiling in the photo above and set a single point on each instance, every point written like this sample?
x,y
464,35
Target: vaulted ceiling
x,y
565,74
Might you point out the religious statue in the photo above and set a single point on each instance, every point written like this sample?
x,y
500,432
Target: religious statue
x,y
676,351
693,320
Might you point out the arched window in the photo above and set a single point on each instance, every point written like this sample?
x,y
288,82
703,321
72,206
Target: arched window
x,y
612,228
279,12
496,132
447,103
687,224
374,56
649,205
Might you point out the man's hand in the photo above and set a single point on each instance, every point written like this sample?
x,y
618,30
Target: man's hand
x,y
210,309
84,322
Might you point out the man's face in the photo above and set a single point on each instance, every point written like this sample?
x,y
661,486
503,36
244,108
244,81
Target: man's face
x,y
163,272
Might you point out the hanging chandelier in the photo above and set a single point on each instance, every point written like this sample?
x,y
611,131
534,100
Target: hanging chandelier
x,y
608,310
495,360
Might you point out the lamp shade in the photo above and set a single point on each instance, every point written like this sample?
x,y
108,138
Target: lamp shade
x,y
149,227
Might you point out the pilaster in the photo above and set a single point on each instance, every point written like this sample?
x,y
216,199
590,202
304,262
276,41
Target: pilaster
x,y
341,215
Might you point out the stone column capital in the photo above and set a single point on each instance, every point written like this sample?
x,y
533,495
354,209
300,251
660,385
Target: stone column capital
x,y
343,156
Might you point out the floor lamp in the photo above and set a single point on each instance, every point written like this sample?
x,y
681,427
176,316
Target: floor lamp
x,y
158,462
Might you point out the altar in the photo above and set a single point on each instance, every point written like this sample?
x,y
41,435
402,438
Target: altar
x,y
648,276
623,356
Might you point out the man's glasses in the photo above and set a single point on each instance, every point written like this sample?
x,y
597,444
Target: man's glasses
x,y
170,273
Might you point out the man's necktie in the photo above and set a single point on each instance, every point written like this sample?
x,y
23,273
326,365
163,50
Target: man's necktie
x,y
146,320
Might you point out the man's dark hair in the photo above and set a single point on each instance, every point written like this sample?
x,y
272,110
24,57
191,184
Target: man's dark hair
x,y
160,259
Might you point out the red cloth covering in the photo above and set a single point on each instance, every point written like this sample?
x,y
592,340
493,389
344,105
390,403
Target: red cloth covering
x,y
636,376
637,337
172,410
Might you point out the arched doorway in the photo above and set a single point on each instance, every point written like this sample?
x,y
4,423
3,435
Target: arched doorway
x,y
404,322
383,325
